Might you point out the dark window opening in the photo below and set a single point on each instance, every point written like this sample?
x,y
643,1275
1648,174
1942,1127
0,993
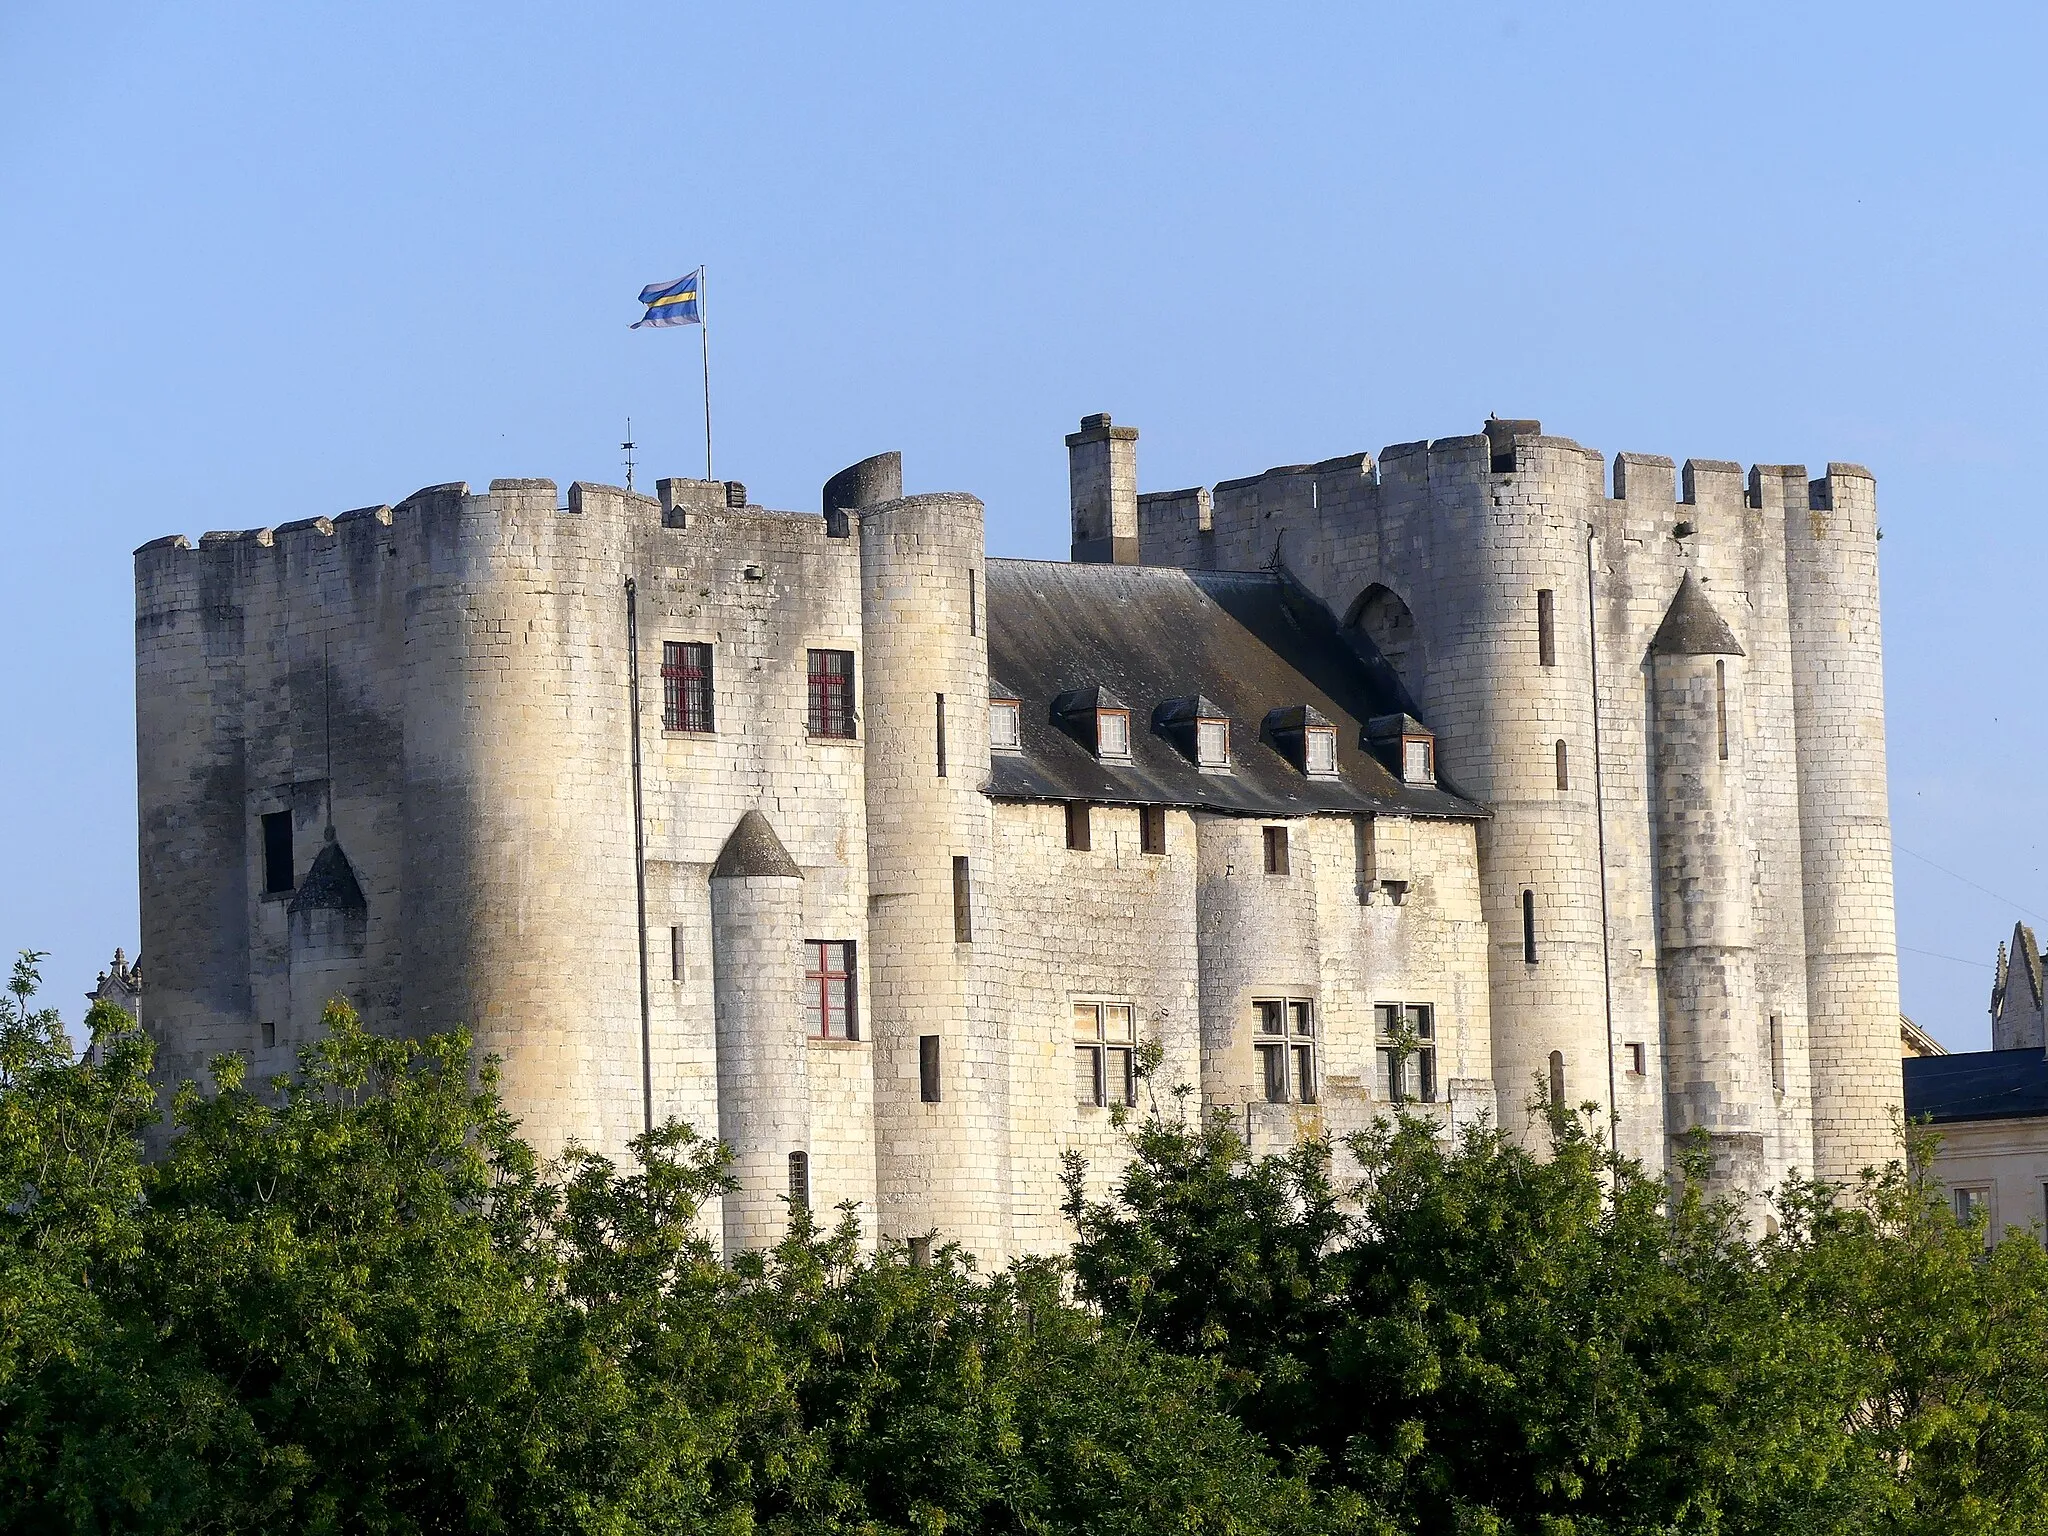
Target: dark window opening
x,y
685,685
831,694
1777,1055
277,852
1529,927
800,1179
1546,627
1635,1058
831,990
675,953
1276,850
1556,1078
269,1034
940,720
1152,829
928,1068
1564,770
1721,706
973,606
1077,826
963,903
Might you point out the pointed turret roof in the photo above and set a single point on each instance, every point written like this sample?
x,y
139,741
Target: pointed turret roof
x,y
754,850
330,884
1692,627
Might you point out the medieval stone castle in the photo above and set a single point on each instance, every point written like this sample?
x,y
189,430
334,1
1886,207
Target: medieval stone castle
x,y
1461,779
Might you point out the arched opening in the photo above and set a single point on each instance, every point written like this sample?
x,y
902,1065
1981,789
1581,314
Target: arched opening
x,y
1564,767
1556,1078
1383,618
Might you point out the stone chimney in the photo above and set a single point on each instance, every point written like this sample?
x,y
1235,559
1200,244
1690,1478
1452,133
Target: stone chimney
x,y
1102,469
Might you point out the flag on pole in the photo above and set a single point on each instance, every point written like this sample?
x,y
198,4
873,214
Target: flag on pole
x,y
672,303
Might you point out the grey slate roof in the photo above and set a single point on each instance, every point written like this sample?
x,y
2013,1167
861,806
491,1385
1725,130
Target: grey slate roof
x,y
1976,1085
754,849
1250,641
1693,627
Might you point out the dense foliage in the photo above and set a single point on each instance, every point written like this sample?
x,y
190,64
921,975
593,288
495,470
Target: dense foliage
x,y
354,1300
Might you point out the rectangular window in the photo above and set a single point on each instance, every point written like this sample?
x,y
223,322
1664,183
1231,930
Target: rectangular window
x,y
1721,706
1003,733
831,988
1284,1035
1635,1058
1971,1203
973,605
1546,628
928,1068
1416,767
1564,769
831,682
1152,829
1777,1055
675,953
1105,1054
800,1179
1320,752
941,725
963,903
1407,1051
1529,927
1212,743
1112,733
269,1034
685,685
1276,850
277,853
1077,825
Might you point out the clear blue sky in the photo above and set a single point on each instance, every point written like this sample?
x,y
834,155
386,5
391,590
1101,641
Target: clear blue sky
x,y
264,262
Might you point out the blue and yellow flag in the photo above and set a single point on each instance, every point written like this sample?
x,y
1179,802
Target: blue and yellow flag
x,y
673,303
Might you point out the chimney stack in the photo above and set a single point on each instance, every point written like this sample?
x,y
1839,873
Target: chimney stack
x,y
1102,469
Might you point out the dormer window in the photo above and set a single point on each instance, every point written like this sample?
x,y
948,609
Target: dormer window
x,y
1100,719
1005,728
1199,728
1405,745
1113,733
1307,738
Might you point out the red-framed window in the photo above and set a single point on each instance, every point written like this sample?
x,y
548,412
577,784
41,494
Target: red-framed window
x,y
831,693
685,685
830,990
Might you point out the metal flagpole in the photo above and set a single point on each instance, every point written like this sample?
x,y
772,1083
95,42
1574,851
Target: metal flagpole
x,y
704,343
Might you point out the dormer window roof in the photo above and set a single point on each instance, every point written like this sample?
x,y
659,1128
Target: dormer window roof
x,y
1405,745
1100,718
1005,722
1199,728
1306,738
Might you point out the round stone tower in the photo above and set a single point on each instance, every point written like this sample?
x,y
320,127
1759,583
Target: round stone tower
x,y
941,1102
1718,1056
1852,971
1496,578
764,1102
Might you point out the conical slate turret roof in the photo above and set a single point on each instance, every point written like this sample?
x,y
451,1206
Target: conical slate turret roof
x,y
754,850
331,884
1691,627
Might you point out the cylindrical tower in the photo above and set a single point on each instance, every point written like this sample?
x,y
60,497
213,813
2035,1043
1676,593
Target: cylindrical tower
x,y
941,1099
1852,962
1715,1046
764,1101
1497,582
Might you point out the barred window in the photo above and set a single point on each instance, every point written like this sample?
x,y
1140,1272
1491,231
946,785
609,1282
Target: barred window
x,y
830,990
685,685
1105,1054
831,677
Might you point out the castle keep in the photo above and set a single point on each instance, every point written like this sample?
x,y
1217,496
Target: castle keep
x,y
1456,778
